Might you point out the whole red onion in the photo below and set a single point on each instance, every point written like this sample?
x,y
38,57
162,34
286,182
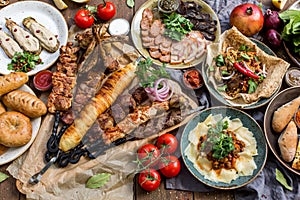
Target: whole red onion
x,y
273,37
272,20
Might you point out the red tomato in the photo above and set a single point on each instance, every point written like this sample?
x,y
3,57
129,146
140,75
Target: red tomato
x,y
43,80
167,143
148,154
106,10
169,166
84,18
149,179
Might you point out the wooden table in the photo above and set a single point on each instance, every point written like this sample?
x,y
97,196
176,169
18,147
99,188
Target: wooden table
x,y
8,190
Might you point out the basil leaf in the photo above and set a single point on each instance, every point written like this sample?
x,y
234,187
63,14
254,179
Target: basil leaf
x,y
3,177
98,180
130,3
281,179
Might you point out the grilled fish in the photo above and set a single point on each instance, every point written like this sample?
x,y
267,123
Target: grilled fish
x,y
25,39
47,39
9,45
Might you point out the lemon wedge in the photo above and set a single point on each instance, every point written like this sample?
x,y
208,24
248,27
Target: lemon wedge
x,y
60,4
279,3
80,1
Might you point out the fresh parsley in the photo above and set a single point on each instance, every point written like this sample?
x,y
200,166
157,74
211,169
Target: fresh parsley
x,y
176,26
252,86
24,62
219,60
148,74
220,143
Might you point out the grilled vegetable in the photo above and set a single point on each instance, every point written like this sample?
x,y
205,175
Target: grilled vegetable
x,y
9,45
47,39
25,39
245,71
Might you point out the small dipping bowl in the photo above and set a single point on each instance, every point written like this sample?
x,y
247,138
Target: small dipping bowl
x,y
119,26
292,77
168,6
193,79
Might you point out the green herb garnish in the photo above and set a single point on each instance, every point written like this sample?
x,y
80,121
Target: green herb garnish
x,y
219,60
3,177
252,86
291,30
281,179
220,143
148,74
24,62
98,180
176,26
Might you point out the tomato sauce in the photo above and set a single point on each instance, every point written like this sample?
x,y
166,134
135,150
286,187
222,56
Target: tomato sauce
x,y
43,80
193,79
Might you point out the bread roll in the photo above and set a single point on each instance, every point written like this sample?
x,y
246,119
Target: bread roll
x,y
24,102
12,81
15,129
283,115
2,108
296,161
288,142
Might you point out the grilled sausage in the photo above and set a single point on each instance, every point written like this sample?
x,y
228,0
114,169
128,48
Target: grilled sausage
x,y
12,81
24,102
45,36
111,89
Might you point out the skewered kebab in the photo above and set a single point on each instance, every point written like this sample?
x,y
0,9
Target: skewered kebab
x,y
112,87
64,79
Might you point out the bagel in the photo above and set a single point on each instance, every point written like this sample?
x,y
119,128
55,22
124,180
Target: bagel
x,y
15,129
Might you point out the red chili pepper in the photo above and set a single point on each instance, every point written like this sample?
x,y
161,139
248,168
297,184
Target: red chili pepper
x,y
245,71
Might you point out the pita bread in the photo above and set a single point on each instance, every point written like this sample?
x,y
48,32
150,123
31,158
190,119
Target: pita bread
x,y
275,67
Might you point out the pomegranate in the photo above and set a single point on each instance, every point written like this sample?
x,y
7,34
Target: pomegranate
x,y
247,18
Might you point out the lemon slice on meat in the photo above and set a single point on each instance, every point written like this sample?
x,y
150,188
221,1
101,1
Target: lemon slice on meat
x,y
60,4
279,3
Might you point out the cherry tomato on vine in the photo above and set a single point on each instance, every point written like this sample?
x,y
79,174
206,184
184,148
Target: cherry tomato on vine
x,y
147,154
149,179
84,18
167,143
106,10
169,166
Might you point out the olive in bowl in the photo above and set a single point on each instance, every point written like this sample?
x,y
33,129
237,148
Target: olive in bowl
x,y
168,6
292,77
193,79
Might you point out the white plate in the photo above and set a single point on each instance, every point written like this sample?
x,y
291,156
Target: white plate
x,y
46,15
13,153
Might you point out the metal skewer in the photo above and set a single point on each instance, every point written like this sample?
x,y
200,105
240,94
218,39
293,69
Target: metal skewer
x,y
37,177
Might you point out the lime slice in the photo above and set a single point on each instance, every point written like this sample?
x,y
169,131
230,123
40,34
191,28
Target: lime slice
x,y
60,4
279,3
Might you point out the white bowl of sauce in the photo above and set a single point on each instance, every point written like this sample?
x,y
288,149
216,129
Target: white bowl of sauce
x,y
292,77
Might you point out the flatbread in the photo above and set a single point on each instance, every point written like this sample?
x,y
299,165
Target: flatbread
x,y
275,67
